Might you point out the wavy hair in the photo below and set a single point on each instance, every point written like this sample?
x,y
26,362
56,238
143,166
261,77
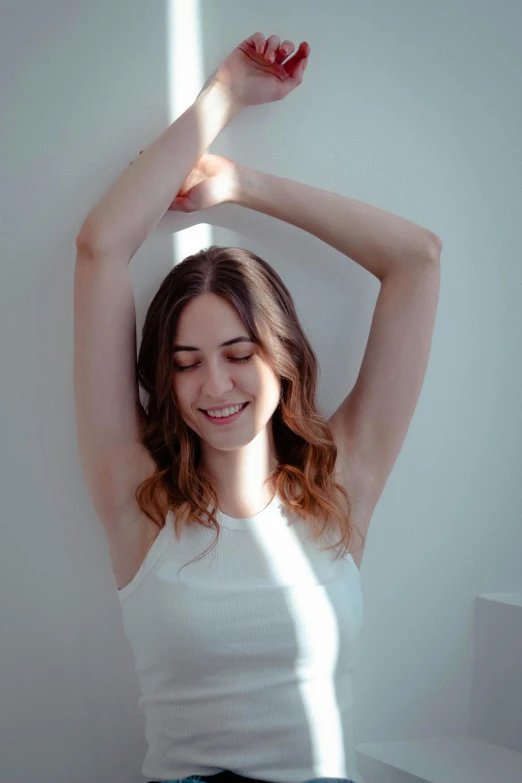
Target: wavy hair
x,y
305,449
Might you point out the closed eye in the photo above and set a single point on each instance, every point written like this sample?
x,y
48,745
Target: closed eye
x,y
181,368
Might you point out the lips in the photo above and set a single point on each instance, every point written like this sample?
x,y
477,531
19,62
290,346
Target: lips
x,y
222,407
223,419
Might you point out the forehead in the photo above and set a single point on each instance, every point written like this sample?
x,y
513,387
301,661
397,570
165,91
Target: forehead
x,y
209,318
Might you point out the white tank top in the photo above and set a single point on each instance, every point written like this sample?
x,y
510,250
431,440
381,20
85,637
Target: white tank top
x,y
246,657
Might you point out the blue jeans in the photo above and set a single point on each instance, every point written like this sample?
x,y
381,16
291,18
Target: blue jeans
x,y
231,777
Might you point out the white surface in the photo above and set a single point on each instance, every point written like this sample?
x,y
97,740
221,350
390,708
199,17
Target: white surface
x,y
412,107
440,760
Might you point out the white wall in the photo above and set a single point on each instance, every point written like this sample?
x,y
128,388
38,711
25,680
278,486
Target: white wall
x,y
413,107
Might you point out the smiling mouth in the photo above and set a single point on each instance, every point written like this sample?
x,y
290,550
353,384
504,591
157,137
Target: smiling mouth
x,y
243,404
206,410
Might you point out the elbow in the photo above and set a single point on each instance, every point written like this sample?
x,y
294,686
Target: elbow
x,y
435,246
87,242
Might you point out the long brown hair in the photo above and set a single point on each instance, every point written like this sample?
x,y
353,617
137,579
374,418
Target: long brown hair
x,y
305,449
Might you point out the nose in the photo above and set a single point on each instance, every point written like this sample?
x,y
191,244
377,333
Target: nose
x,y
216,381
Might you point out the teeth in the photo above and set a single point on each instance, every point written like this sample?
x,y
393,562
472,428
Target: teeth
x,y
224,412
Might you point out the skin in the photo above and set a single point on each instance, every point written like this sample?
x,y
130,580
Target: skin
x,y
239,455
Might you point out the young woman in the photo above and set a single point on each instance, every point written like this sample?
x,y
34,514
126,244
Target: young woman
x,y
246,660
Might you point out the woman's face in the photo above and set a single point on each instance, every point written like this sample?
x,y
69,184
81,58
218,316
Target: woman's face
x,y
221,374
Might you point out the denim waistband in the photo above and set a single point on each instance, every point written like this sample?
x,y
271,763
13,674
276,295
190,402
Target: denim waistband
x,y
231,777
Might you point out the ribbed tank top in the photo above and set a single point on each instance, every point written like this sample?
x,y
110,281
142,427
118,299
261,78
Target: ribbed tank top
x,y
246,657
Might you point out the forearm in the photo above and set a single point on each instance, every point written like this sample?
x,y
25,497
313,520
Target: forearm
x,y
379,241
141,195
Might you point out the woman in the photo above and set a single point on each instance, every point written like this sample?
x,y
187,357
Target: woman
x,y
245,663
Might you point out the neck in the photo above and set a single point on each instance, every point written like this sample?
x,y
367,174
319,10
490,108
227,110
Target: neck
x,y
243,475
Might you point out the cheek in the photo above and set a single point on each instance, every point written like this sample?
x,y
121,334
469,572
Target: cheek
x,y
181,394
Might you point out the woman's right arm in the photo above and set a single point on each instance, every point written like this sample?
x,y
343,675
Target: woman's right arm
x,y
112,457
122,220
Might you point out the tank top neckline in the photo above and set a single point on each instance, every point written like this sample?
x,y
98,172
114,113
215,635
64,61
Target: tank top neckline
x,y
247,523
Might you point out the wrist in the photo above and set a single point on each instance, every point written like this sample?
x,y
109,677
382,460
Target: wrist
x,y
246,184
219,94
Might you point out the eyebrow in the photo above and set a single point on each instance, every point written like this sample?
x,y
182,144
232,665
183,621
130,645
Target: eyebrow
x,y
178,348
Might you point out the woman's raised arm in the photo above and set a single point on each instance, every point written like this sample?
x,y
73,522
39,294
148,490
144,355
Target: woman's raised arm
x,y
136,202
121,221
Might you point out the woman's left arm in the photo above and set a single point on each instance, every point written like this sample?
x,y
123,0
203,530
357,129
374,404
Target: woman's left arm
x,y
382,243
371,423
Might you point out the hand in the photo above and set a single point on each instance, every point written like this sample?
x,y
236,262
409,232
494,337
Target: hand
x,y
252,78
213,180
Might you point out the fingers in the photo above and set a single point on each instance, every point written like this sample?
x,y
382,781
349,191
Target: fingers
x,y
283,51
258,41
272,45
272,49
295,68
296,65
302,53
